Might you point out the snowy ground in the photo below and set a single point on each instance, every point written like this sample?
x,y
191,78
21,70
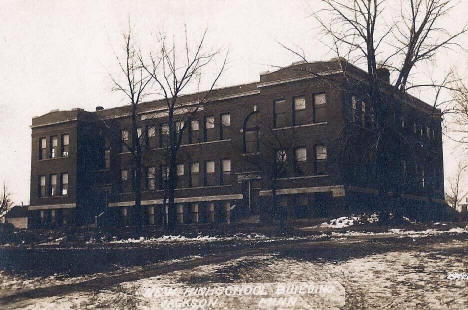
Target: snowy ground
x,y
407,270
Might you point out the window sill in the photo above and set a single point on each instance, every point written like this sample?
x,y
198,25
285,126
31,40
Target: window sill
x,y
184,145
60,157
305,177
251,154
185,188
102,170
205,142
300,126
53,197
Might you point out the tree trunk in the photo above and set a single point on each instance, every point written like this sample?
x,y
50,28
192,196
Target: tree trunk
x,y
137,190
172,177
137,154
171,181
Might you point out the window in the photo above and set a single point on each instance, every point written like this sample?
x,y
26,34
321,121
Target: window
x,y
321,152
124,176
151,136
225,171
42,186
354,108
423,180
280,162
363,114
402,123
164,135
209,177
372,115
225,122
281,113
124,139
195,125
179,126
281,156
53,146
180,170
210,166
209,122
150,178
320,159
299,104
209,134
124,134
165,129
151,131
301,154
300,157
64,184
53,185
250,134
428,132
302,200
283,201
42,148
164,173
251,141
226,166
195,168
194,128
107,158
194,174
320,101
299,111
226,119
414,127
65,145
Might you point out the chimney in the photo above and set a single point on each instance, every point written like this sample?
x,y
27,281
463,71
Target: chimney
x,y
384,75
99,108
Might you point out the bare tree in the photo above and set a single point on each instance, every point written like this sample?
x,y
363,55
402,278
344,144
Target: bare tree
x,y
173,70
273,155
366,33
5,199
133,86
361,32
460,112
455,193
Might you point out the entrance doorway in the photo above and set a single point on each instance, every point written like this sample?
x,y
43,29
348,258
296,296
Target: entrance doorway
x,y
250,191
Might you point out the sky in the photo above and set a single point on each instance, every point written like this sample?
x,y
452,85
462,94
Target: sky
x,y
59,55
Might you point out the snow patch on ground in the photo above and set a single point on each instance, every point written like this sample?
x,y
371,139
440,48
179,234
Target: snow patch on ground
x,y
341,222
428,232
199,238
346,221
56,241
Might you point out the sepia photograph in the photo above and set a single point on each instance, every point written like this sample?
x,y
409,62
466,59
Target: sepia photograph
x,y
234,154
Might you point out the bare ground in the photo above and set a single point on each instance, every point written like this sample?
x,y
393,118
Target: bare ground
x,y
399,271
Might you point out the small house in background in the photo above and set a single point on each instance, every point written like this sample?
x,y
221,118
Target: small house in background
x,y
17,216
463,206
